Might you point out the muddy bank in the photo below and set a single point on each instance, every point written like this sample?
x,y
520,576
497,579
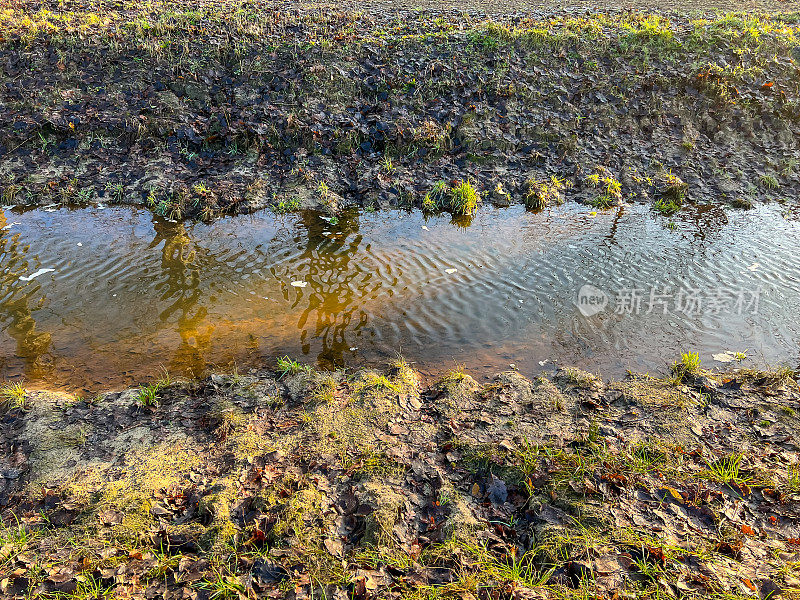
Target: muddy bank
x,y
369,485
202,109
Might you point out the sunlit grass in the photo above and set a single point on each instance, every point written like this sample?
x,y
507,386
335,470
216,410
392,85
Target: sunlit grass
x,y
13,396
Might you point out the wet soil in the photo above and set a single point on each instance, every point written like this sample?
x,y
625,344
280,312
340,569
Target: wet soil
x,y
368,485
203,109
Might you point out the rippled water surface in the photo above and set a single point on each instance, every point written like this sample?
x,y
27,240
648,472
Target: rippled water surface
x,y
129,292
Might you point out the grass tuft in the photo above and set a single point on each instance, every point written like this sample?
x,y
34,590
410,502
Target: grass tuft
x,y
286,205
463,198
436,199
609,187
688,365
543,193
768,181
150,395
460,200
14,396
288,366
671,190
726,470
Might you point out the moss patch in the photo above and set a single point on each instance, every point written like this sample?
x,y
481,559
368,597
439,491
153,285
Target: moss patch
x,y
133,488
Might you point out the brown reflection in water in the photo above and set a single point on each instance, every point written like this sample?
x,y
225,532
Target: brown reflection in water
x,y
462,221
181,289
15,312
708,220
336,287
612,232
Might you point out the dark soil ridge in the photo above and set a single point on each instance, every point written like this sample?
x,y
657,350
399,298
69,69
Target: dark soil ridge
x,y
198,109
370,486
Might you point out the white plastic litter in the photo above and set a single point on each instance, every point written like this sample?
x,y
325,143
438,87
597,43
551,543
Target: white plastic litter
x,y
36,274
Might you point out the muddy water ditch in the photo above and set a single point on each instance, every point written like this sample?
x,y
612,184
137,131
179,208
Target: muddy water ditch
x,y
105,297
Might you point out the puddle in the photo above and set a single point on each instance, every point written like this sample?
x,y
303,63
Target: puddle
x,y
129,292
